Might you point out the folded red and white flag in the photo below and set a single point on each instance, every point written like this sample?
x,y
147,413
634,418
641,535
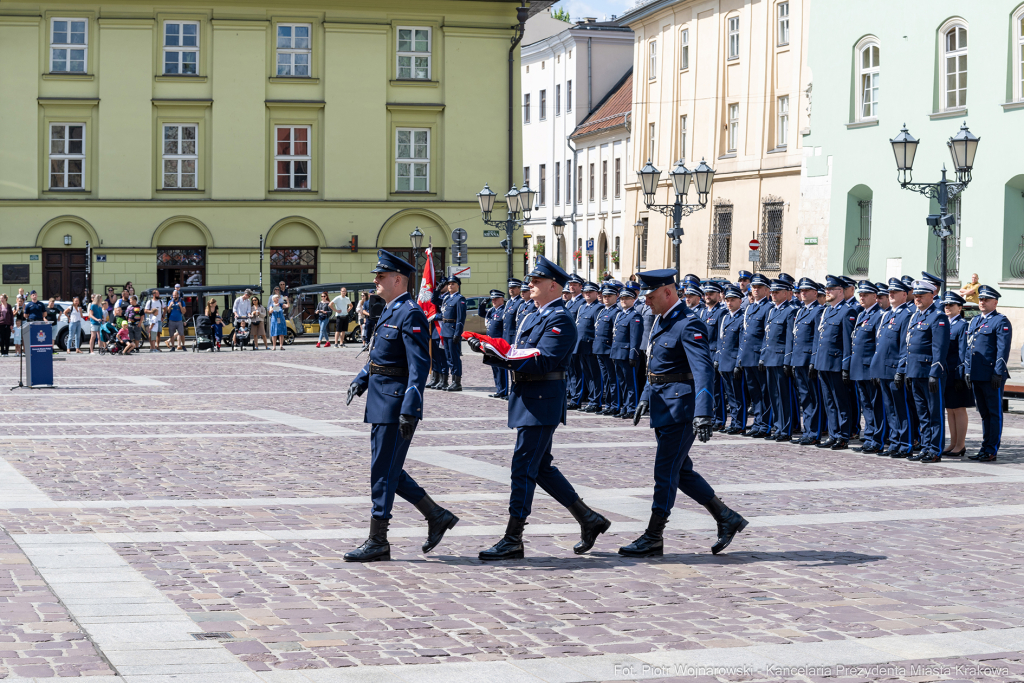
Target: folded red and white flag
x,y
501,348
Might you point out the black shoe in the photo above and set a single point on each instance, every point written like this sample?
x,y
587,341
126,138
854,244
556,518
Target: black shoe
x,y
809,441
592,525
931,457
900,454
435,378
733,431
510,547
572,406
438,519
651,543
827,443
915,457
442,383
718,427
868,449
770,436
494,395
729,521
840,445
376,547
887,453
750,432
959,454
456,384
975,456
782,438
628,415
986,457
591,408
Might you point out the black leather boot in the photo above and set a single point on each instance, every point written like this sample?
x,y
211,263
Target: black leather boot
x,y
376,547
510,547
650,544
456,384
443,384
438,519
729,521
435,379
592,525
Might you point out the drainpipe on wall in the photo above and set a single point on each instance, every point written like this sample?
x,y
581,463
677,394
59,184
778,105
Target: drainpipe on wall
x,y
522,14
575,198
590,80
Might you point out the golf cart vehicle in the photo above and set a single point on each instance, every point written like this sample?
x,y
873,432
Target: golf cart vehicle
x,y
309,324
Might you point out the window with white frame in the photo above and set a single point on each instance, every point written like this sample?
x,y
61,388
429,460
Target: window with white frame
x,y
592,196
734,37
542,193
414,53
682,138
653,63
180,155
543,105
293,49
1019,26
604,179
292,157
618,177
568,95
869,75
558,183
734,126
782,124
579,184
684,49
69,43
526,108
526,176
181,48
67,156
783,30
412,160
558,100
955,43
650,142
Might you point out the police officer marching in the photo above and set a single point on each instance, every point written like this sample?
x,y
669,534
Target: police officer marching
x,y
679,399
495,319
988,350
862,348
832,361
537,405
922,366
395,374
453,322
800,352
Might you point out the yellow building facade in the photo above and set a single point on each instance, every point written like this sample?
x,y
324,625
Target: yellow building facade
x,y
171,140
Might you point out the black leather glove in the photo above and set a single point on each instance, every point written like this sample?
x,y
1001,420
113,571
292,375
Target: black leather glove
x,y
846,376
761,367
702,426
933,385
407,426
812,373
633,362
641,410
475,344
787,370
353,391
996,381
737,372
875,381
960,385
897,381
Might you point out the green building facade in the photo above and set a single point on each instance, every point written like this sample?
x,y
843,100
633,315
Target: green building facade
x,y
879,65
171,140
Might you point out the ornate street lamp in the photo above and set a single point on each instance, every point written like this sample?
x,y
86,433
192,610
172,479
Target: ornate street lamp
x,y
519,203
962,147
559,227
416,239
638,234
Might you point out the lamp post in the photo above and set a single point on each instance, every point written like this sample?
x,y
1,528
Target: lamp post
x,y
559,227
519,203
962,148
638,234
702,177
416,238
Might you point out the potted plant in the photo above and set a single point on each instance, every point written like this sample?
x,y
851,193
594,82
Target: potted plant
x,y
577,256
615,258
539,248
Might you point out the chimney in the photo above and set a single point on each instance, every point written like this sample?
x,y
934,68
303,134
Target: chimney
x,y
589,20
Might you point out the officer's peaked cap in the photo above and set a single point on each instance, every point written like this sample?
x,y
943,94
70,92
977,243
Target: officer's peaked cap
x,y
732,291
495,293
591,287
759,279
514,283
690,277
565,288
389,263
898,285
986,292
549,271
650,280
833,281
934,279
692,290
786,277
712,287
883,289
780,285
953,298
807,283
744,275
866,287
847,281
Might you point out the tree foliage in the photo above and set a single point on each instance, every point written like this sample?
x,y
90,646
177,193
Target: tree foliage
x,y
561,14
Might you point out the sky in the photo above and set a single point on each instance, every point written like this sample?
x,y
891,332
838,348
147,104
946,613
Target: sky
x,y
595,8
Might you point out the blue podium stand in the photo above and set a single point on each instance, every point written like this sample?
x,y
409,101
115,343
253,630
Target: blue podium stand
x,y
38,340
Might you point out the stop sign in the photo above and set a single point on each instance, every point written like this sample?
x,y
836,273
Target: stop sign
x,y
754,245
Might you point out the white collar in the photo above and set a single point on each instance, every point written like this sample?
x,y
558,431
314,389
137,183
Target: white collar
x,y
954,319
873,306
672,308
540,309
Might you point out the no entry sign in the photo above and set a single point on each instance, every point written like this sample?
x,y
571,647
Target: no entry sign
x,y
754,245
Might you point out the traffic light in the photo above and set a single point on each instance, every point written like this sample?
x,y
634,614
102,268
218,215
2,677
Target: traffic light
x,y
353,244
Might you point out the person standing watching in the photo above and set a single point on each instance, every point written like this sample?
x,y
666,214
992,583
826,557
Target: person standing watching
x,y
154,321
679,399
958,396
604,332
922,366
342,307
711,313
278,325
19,318
453,321
988,350
625,354
800,349
726,360
134,315
396,373
536,406
774,358
6,325
588,400
35,310
969,292
892,332
495,317
862,349
75,319
572,307
176,320
751,340
242,306
323,318
831,359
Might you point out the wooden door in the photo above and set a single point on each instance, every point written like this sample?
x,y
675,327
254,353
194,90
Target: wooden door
x,y
64,273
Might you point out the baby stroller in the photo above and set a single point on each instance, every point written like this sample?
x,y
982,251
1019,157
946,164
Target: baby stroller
x,y
204,340
108,335
242,335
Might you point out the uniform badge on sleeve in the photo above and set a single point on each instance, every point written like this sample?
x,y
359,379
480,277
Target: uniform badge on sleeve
x,y
698,336
416,329
556,330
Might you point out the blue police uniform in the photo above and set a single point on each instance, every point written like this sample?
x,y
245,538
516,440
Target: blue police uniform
x,y
508,322
591,387
986,354
922,365
438,362
754,317
625,355
889,339
453,322
604,330
862,348
734,391
778,323
853,304
831,358
575,384
712,317
800,350
536,406
495,318
679,389
393,380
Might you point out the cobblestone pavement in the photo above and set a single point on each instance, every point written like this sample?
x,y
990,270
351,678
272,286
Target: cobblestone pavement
x,y
190,523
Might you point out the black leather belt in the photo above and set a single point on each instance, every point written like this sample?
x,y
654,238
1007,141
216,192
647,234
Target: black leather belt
x,y
535,377
388,371
448,320
669,379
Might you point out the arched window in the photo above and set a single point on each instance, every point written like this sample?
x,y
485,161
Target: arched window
x,y
1018,51
954,46
868,61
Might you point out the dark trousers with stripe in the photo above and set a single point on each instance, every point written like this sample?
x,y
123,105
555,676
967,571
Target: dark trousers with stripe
x,y
591,386
808,397
500,380
574,377
735,398
610,396
387,478
894,404
453,355
930,417
438,361
532,467
781,398
874,416
625,375
757,393
673,469
990,407
837,405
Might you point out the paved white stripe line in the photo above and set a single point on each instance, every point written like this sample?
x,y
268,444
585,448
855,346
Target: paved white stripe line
x,y
303,423
144,381
18,491
138,628
186,436
310,368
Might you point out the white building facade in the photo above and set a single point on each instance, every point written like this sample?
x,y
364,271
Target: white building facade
x,y
566,76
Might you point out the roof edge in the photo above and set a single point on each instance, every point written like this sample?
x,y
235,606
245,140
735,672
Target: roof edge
x,y
597,107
